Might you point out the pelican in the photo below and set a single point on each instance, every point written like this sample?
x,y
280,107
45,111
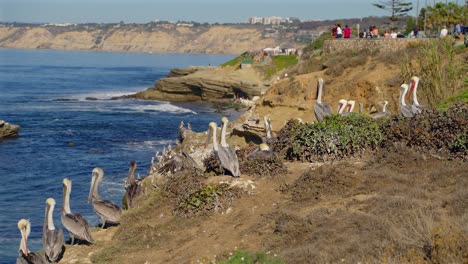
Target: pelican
x,y
228,161
263,151
405,109
107,211
384,112
267,122
133,189
76,225
416,108
231,152
26,257
52,239
321,109
341,106
178,162
350,108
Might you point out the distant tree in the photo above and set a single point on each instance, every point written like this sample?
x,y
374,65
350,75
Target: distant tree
x,y
398,9
442,14
410,25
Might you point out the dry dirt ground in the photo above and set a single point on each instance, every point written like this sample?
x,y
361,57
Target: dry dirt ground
x,y
390,206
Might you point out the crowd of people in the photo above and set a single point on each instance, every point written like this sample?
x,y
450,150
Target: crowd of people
x,y
373,32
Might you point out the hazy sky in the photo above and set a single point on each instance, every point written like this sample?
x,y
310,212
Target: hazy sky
x,y
142,11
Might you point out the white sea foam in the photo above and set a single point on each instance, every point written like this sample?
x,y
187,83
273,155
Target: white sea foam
x,y
163,107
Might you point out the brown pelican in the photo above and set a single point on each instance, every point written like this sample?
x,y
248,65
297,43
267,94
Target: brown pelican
x,y
267,122
349,108
263,151
405,109
107,211
26,257
184,131
384,112
133,189
321,109
228,161
76,225
178,162
416,108
52,239
230,151
341,106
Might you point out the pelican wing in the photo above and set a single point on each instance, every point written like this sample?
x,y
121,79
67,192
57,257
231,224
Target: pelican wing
x,y
133,191
108,211
406,111
257,154
229,161
321,111
381,115
53,242
416,109
78,226
32,257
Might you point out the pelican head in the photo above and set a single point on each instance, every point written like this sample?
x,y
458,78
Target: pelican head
x,y
341,105
264,147
351,104
211,130
224,120
414,81
50,202
95,180
25,228
66,183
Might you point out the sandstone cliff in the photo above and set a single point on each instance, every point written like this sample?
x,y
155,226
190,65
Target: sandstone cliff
x,y
205,83
168,39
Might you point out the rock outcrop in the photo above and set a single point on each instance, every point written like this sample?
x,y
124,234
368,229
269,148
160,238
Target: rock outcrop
x,y
8,130
205,83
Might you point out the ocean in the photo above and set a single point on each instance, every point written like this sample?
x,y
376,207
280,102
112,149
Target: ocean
x,y
68,138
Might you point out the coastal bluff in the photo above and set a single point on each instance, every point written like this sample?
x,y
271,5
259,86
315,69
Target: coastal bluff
x,y
222,39
205,84
8,130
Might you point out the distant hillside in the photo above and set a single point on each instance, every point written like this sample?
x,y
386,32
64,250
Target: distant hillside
x,y
161,38
166,37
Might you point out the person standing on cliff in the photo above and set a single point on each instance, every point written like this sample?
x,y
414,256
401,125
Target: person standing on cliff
x,y
339,31
333,32
444,32
347,32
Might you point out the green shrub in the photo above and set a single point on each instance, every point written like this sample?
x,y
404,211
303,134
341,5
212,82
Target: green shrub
x,y
334,138
245,257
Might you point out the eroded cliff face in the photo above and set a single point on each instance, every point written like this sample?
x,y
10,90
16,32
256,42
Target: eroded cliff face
x,y
205,83
209,39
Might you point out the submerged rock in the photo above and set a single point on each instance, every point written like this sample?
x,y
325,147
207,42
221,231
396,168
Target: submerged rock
x,y
8,130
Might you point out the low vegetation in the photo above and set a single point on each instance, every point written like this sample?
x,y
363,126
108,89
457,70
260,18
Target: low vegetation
x,y
278,63
246,257
445,133
334,138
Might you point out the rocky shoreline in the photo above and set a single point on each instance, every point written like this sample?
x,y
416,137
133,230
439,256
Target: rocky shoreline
x,y
205,84
8,130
